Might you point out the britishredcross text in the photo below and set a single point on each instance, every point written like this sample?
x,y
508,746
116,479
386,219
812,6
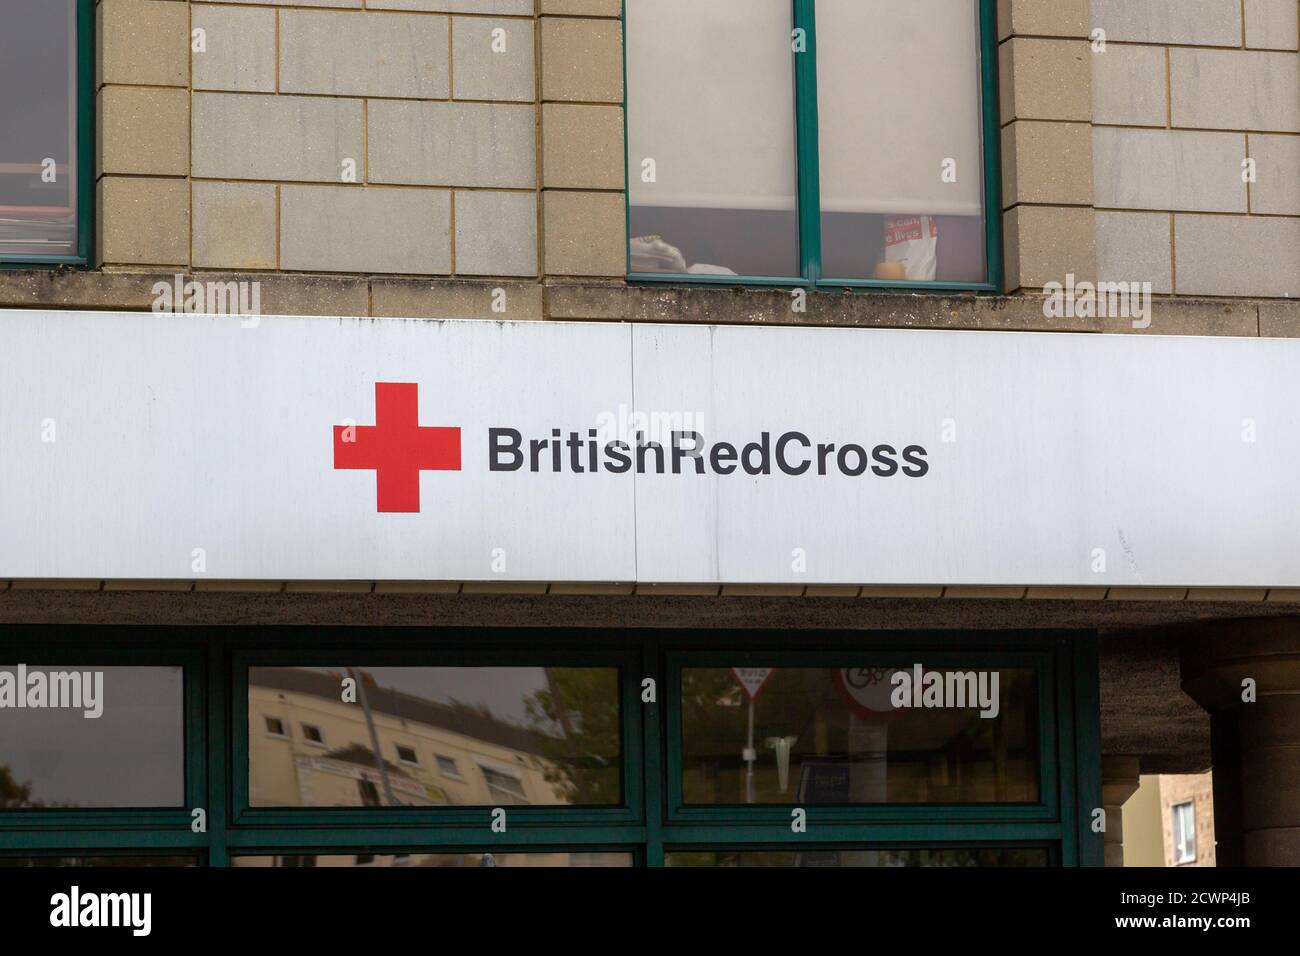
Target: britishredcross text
x,y
790,453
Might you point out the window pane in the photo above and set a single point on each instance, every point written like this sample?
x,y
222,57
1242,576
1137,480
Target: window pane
x,y
1184,833
833,736
711,137
448,736
564,859
91,737
38,117
900,153
962,856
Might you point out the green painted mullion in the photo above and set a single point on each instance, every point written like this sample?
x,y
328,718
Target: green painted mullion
x,y
32,262
653,773
1050,754
106,837
85,130
673,278
819,832
627,160
631,719
992,142
807,144
906,288
236,677
1066,746
307,839
218,753
1087,741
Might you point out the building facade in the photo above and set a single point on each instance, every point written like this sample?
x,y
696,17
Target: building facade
x,y
542,432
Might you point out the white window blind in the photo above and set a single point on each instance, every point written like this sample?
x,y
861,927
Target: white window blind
x,y
898,88
710,99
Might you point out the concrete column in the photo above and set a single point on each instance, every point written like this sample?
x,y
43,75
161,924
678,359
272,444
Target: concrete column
x,y
1045,67
1255,743
1119,781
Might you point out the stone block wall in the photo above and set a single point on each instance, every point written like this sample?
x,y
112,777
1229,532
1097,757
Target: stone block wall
x,y
404,137
427,153
1186,97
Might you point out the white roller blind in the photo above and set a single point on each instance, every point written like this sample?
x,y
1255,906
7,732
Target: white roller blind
x,y
898,90
710,99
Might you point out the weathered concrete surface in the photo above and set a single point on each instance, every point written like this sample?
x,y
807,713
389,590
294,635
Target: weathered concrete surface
x,y
190,608
614,300
1144,710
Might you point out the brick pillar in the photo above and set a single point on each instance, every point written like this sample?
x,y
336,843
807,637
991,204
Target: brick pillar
x,y
1119,781
143,117
1255,746
584,230
1045,85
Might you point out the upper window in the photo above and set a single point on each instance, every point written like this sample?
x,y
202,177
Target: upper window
x,y
814,141
43,198
447,766
1184,833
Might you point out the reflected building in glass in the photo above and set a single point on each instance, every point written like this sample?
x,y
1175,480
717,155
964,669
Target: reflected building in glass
x,y
313,733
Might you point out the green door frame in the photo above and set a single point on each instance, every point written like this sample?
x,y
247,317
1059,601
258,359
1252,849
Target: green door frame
x,y
809,181
215,661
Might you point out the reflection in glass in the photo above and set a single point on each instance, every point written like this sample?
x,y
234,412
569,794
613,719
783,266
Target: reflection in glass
x,y
811,735
900,147
38,128
492,858
447,736
711,137
131,755
882,857
88,861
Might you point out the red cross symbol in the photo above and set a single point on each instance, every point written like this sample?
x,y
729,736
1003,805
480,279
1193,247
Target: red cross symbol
x,y
396,447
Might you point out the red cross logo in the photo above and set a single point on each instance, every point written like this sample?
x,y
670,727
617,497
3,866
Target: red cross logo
x,y
396,448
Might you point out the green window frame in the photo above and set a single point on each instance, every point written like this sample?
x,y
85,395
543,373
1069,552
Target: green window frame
x,y
449,653
1052,852
85,152
647,824
808,189
927,651
81,831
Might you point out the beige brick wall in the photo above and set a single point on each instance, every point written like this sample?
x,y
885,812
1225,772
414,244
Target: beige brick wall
x,y
142,109
1197,789
425,137
1184,92
485,164
1046,106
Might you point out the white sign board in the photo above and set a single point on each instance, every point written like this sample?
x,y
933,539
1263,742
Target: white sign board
x,y
138,445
